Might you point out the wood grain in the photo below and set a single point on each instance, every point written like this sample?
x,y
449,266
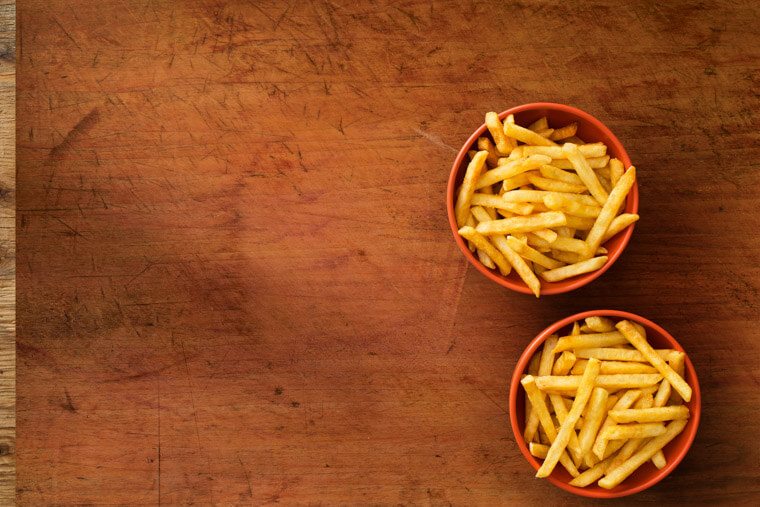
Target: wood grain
x,y
236,281
7,251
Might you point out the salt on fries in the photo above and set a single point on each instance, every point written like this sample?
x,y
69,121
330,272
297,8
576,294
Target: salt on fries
x,y
551,201
602,397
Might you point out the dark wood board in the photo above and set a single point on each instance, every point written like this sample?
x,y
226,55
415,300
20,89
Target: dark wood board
x,y
236,280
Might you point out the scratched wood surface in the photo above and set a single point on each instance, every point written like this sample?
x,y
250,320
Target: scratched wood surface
x,y
236,282
7,251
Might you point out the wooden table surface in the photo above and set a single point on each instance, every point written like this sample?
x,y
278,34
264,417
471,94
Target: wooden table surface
x,y
236,281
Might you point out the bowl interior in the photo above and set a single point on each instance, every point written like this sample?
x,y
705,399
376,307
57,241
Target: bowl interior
x,y
646,475
591,131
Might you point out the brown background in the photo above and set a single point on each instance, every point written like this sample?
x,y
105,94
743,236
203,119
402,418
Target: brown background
x,y
236,283
7,251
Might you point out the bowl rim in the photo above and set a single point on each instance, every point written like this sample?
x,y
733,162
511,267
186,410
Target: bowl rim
x,y
691,429
519,286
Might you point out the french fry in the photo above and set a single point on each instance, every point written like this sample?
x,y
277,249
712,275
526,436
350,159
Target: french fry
x,y
522,224
647,415
564,132
545,133
585,171
592,474
480,214
619,223
485,259
586,341
526,136
555,275
569,245
579,223
629,431
677,363
468,187
533,255
591,150
561,407
485,144
547,235
494,126
570,383
576,330
600,324
571,206
483,244
593,162
663,393
489,211
544,368
516,181
619,474
597,408
565,232
538,450
555,185
538,196
609,210
539,408
555,173
637,340
616,368
539,124
496,201
510,169
564,363
517,262
626,400
568,426
616,170
610,354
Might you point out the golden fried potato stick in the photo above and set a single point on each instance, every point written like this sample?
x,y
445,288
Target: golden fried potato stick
x,y
521,267
587,341
538,196
610,354
619,223
585,171
616,170
600,324
609,210
597,409
626,400
621,472
503,144
522,224
483,244
539,407
564,132
531,254
568,426
498,202
630,431
637,340
555,275
511,169
563,363
570,383
472,174
485,144
571,206
544,366
593,162
555,185
647,415
592,150
555,173
526,136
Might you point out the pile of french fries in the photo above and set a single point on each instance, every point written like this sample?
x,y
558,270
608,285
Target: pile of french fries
x,y
529,203
602,402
